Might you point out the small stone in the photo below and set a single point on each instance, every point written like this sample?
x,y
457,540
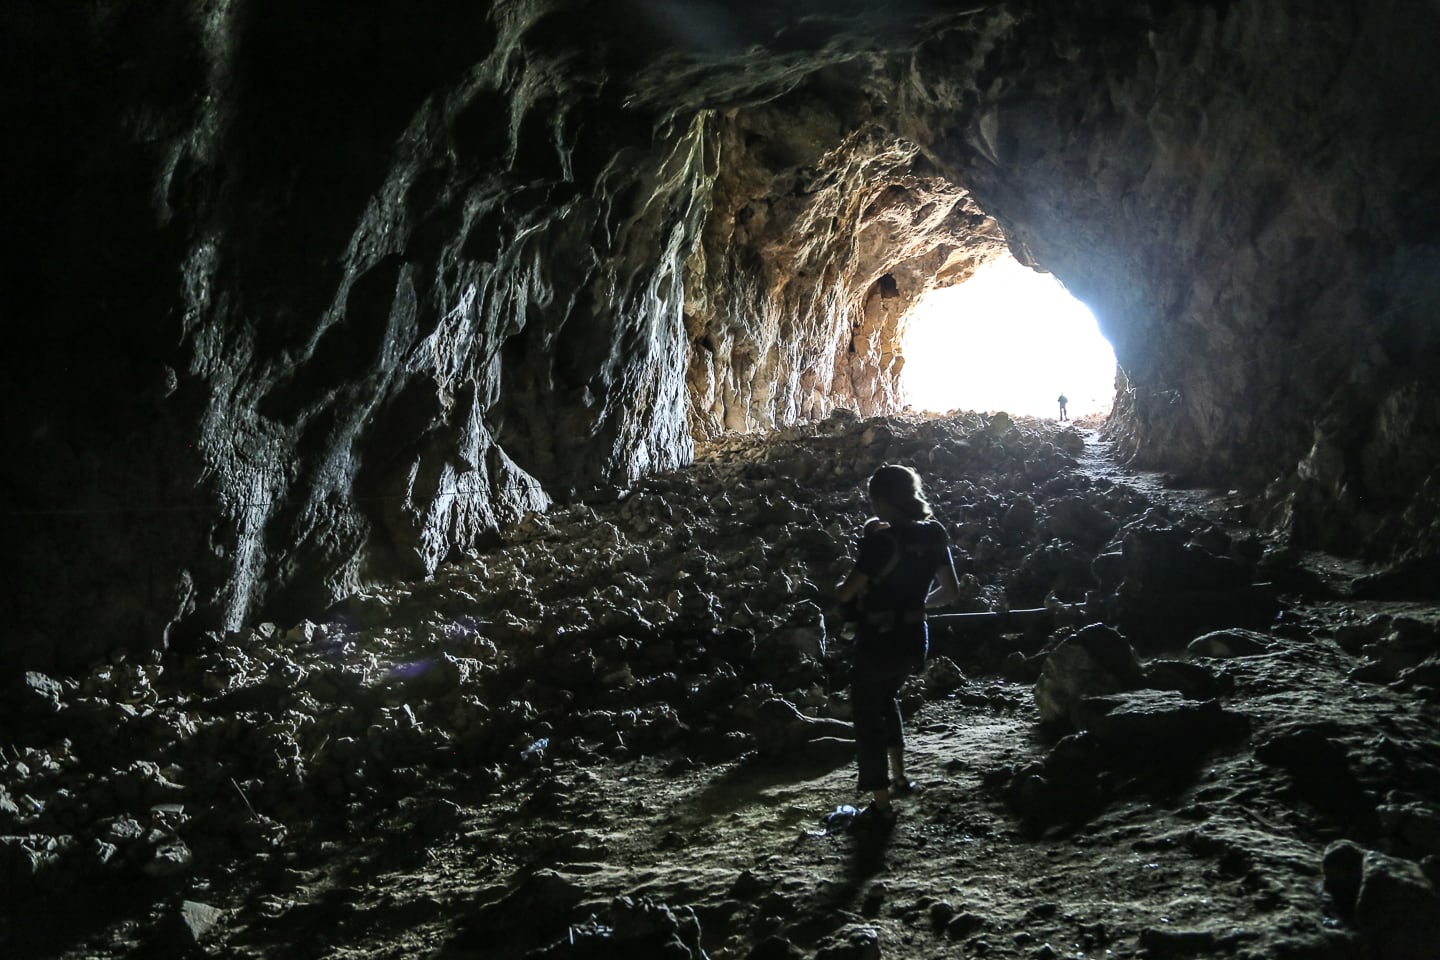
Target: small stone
x,y
125,830
169,859
1164,943
851,942
39,695
963,925
1223,644
199,920
1344,866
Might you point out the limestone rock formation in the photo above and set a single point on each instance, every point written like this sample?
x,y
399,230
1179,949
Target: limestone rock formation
x,y
313,293
626,719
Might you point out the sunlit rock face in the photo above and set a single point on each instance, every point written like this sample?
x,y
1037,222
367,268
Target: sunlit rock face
x,y
318,293
825,229
1247,196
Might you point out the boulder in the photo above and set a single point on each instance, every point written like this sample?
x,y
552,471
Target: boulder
x,y
1097,660
191,923
1234,642
33,860
1160,559
941,675
1078,520
631,927
1344,866
854,941
533,911
1157,725
38,695
775,947
1020,516
1190,680
783,731
1397,909
1412,827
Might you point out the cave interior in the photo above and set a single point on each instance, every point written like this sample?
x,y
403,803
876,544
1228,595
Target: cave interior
x,y
328,304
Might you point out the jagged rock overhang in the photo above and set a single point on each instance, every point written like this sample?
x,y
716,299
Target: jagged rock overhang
x,y
818,243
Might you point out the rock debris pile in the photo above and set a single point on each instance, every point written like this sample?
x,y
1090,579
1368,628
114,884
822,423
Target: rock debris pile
x,y
687,621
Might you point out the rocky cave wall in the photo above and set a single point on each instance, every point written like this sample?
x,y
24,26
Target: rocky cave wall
x,y
1248,195
316,293
826,228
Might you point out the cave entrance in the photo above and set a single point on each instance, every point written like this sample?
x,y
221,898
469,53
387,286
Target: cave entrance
x,y
1009,339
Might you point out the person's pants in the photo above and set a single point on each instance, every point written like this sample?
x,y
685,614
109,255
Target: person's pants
x,y
874,684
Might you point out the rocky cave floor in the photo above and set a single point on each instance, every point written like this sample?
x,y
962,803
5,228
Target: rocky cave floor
x,y
616,733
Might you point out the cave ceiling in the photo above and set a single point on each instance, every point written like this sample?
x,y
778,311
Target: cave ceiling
x,y
325,292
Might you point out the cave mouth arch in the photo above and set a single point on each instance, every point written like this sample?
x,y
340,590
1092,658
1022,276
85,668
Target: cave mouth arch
x,y
1008,338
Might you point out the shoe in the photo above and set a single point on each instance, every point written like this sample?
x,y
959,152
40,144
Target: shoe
x,y
903,785
873,816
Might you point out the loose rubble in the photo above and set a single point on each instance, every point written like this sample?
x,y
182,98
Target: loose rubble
x,y
487,756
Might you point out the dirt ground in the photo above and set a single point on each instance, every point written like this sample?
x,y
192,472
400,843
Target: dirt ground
x,y
1219,865
1217,857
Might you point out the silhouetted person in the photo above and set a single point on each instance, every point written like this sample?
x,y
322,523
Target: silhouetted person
x,y
902,553
1062,401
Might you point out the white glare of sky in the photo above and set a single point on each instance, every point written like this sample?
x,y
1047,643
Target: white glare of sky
x,y
1007,339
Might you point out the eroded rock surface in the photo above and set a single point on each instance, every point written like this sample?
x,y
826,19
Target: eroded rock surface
x,y
299,322
617,729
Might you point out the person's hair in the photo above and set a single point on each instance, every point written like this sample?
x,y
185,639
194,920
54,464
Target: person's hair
x,y
900,487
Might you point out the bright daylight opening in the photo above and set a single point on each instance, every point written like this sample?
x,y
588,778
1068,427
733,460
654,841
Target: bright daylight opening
x,y
1006,339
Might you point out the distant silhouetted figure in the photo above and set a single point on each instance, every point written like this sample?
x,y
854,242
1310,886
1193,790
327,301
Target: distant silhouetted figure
x,y
1062,401
903,552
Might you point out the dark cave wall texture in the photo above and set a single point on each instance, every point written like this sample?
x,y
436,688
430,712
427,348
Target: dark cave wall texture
x,y
314,293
